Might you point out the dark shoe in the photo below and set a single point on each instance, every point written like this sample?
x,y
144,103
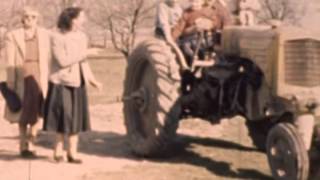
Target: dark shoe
x,y
74,160
58,159
28,154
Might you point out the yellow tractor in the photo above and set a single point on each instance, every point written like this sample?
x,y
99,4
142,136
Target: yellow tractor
x,y
290,60
269,75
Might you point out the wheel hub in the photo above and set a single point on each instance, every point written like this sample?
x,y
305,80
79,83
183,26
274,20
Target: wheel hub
x,y
283,157
140,98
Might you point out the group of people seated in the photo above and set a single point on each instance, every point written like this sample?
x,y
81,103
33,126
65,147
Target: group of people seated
x,y
196,29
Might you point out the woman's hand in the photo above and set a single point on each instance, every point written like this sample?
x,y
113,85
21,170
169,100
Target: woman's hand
x,y
93,51
96,84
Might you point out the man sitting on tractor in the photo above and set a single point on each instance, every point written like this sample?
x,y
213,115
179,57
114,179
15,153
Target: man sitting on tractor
x,y
196,33
223,12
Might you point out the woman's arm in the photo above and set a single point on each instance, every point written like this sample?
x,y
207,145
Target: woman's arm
x,y
9,57
67,56
92,80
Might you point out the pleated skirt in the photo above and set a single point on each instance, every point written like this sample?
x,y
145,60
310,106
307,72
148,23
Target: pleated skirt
x,y
66,109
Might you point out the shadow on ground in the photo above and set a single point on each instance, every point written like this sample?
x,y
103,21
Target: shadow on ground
x,y
9,137
104,144
213,142
8,155
110,144
13,155
219,168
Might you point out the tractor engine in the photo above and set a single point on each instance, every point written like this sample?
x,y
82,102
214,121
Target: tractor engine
x,y
233,86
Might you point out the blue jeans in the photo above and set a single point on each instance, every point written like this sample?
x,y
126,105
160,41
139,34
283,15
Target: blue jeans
x,y
188,45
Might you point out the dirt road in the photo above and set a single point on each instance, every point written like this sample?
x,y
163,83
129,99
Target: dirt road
x,y
211,152
206,152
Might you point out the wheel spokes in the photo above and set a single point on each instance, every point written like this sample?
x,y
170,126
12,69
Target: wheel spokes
x,y
284,158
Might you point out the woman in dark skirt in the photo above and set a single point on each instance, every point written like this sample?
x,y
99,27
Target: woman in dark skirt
x,y
66,107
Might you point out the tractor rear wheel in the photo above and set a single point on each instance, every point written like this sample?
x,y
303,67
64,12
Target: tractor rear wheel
x,y
151,106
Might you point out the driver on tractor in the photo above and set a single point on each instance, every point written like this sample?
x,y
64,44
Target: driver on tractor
x,y
196,33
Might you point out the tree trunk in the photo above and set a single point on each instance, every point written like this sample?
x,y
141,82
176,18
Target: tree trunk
x,y
66,3
105,40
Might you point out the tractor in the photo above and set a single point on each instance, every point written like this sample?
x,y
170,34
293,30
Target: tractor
x,y
267,74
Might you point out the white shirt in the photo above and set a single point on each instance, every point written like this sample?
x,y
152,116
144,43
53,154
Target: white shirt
x,y
167,17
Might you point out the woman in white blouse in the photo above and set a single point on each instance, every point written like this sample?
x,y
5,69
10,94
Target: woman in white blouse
x,y
66,111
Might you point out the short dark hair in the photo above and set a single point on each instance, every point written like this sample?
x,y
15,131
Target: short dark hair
x,y
67,16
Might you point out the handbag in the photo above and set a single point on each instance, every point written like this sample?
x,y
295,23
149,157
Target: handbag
x,y
11,97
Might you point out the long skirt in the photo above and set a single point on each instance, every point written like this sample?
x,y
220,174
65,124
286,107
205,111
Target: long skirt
x,y
66,109
32,104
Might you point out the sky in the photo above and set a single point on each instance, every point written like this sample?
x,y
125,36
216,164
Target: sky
x,y
312,17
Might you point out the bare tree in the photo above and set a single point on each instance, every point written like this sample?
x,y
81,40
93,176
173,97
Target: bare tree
x,y
10,13
121,19
289,11
118,20
50,10
10,18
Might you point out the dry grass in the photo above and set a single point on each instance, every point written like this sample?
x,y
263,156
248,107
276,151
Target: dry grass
x,y
110,72
109,68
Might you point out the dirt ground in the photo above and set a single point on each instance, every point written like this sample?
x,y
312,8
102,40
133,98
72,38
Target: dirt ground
x,y
209,152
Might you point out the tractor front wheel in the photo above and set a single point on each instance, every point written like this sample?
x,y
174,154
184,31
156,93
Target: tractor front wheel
x,y
287,155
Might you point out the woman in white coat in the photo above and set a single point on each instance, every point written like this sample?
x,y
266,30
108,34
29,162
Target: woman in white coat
x,y
28,55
